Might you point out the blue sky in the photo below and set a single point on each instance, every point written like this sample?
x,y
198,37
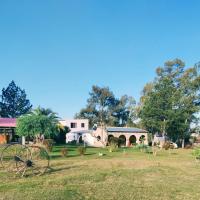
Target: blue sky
x,y
56,50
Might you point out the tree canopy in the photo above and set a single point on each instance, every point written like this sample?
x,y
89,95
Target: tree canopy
x,y
14,102
103,108
169,104
40,121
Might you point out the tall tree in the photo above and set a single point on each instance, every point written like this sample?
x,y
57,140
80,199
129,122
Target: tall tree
x,y
99,104
103,108
123,113
14,102
90,113
171,102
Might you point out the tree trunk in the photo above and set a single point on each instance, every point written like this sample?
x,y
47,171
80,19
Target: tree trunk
x,y
183,143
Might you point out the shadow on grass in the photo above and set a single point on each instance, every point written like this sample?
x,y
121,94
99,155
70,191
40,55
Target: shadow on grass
x,y
67,146
78,155
89,154
54,157
174,153
56,150
52,170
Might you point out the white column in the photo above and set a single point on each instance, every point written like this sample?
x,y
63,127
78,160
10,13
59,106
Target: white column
x,y
23,140
137,139
146,139
127,141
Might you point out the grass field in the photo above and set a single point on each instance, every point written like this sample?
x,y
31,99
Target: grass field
x,y
118,175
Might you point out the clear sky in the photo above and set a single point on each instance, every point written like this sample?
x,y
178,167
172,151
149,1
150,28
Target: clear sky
x,y
56,50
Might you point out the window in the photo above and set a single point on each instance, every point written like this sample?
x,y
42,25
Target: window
x,y
73,125
82,125
98,138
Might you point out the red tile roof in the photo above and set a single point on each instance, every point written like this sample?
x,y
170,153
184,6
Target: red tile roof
x,y
7,122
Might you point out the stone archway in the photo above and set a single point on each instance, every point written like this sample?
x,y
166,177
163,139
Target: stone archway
x,y
110,138
122,141
132,140
142,138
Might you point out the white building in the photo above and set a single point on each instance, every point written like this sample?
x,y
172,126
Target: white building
x,y
77,128
76,124
80,133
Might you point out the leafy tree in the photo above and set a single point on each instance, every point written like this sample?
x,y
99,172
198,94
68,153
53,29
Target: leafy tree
x,y
1,113
102,99
103,108
89,113
123,113
99,105
61,136
40,122
170,103
14,102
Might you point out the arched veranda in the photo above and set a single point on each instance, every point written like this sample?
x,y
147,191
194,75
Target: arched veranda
x,y
122,141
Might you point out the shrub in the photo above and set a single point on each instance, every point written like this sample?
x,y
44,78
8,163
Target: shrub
x,y
113,144
196,153
60,138
81,150
141,147
48,143
115,141
121,142
112,147
192,139
74,142
168,145
64,152
150,139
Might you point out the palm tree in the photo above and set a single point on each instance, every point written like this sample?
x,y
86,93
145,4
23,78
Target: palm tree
x,y
39,123
52,116
45,111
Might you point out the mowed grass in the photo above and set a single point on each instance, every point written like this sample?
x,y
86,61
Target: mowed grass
x,y
125,174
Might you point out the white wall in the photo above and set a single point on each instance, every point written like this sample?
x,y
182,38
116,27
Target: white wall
x,y
78,123
92,141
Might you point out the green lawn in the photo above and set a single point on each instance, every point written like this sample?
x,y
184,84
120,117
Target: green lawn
x,y
119,175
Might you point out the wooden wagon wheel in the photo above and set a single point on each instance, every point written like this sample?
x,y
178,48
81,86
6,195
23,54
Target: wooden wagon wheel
x,y
40,160
13,158
25,160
